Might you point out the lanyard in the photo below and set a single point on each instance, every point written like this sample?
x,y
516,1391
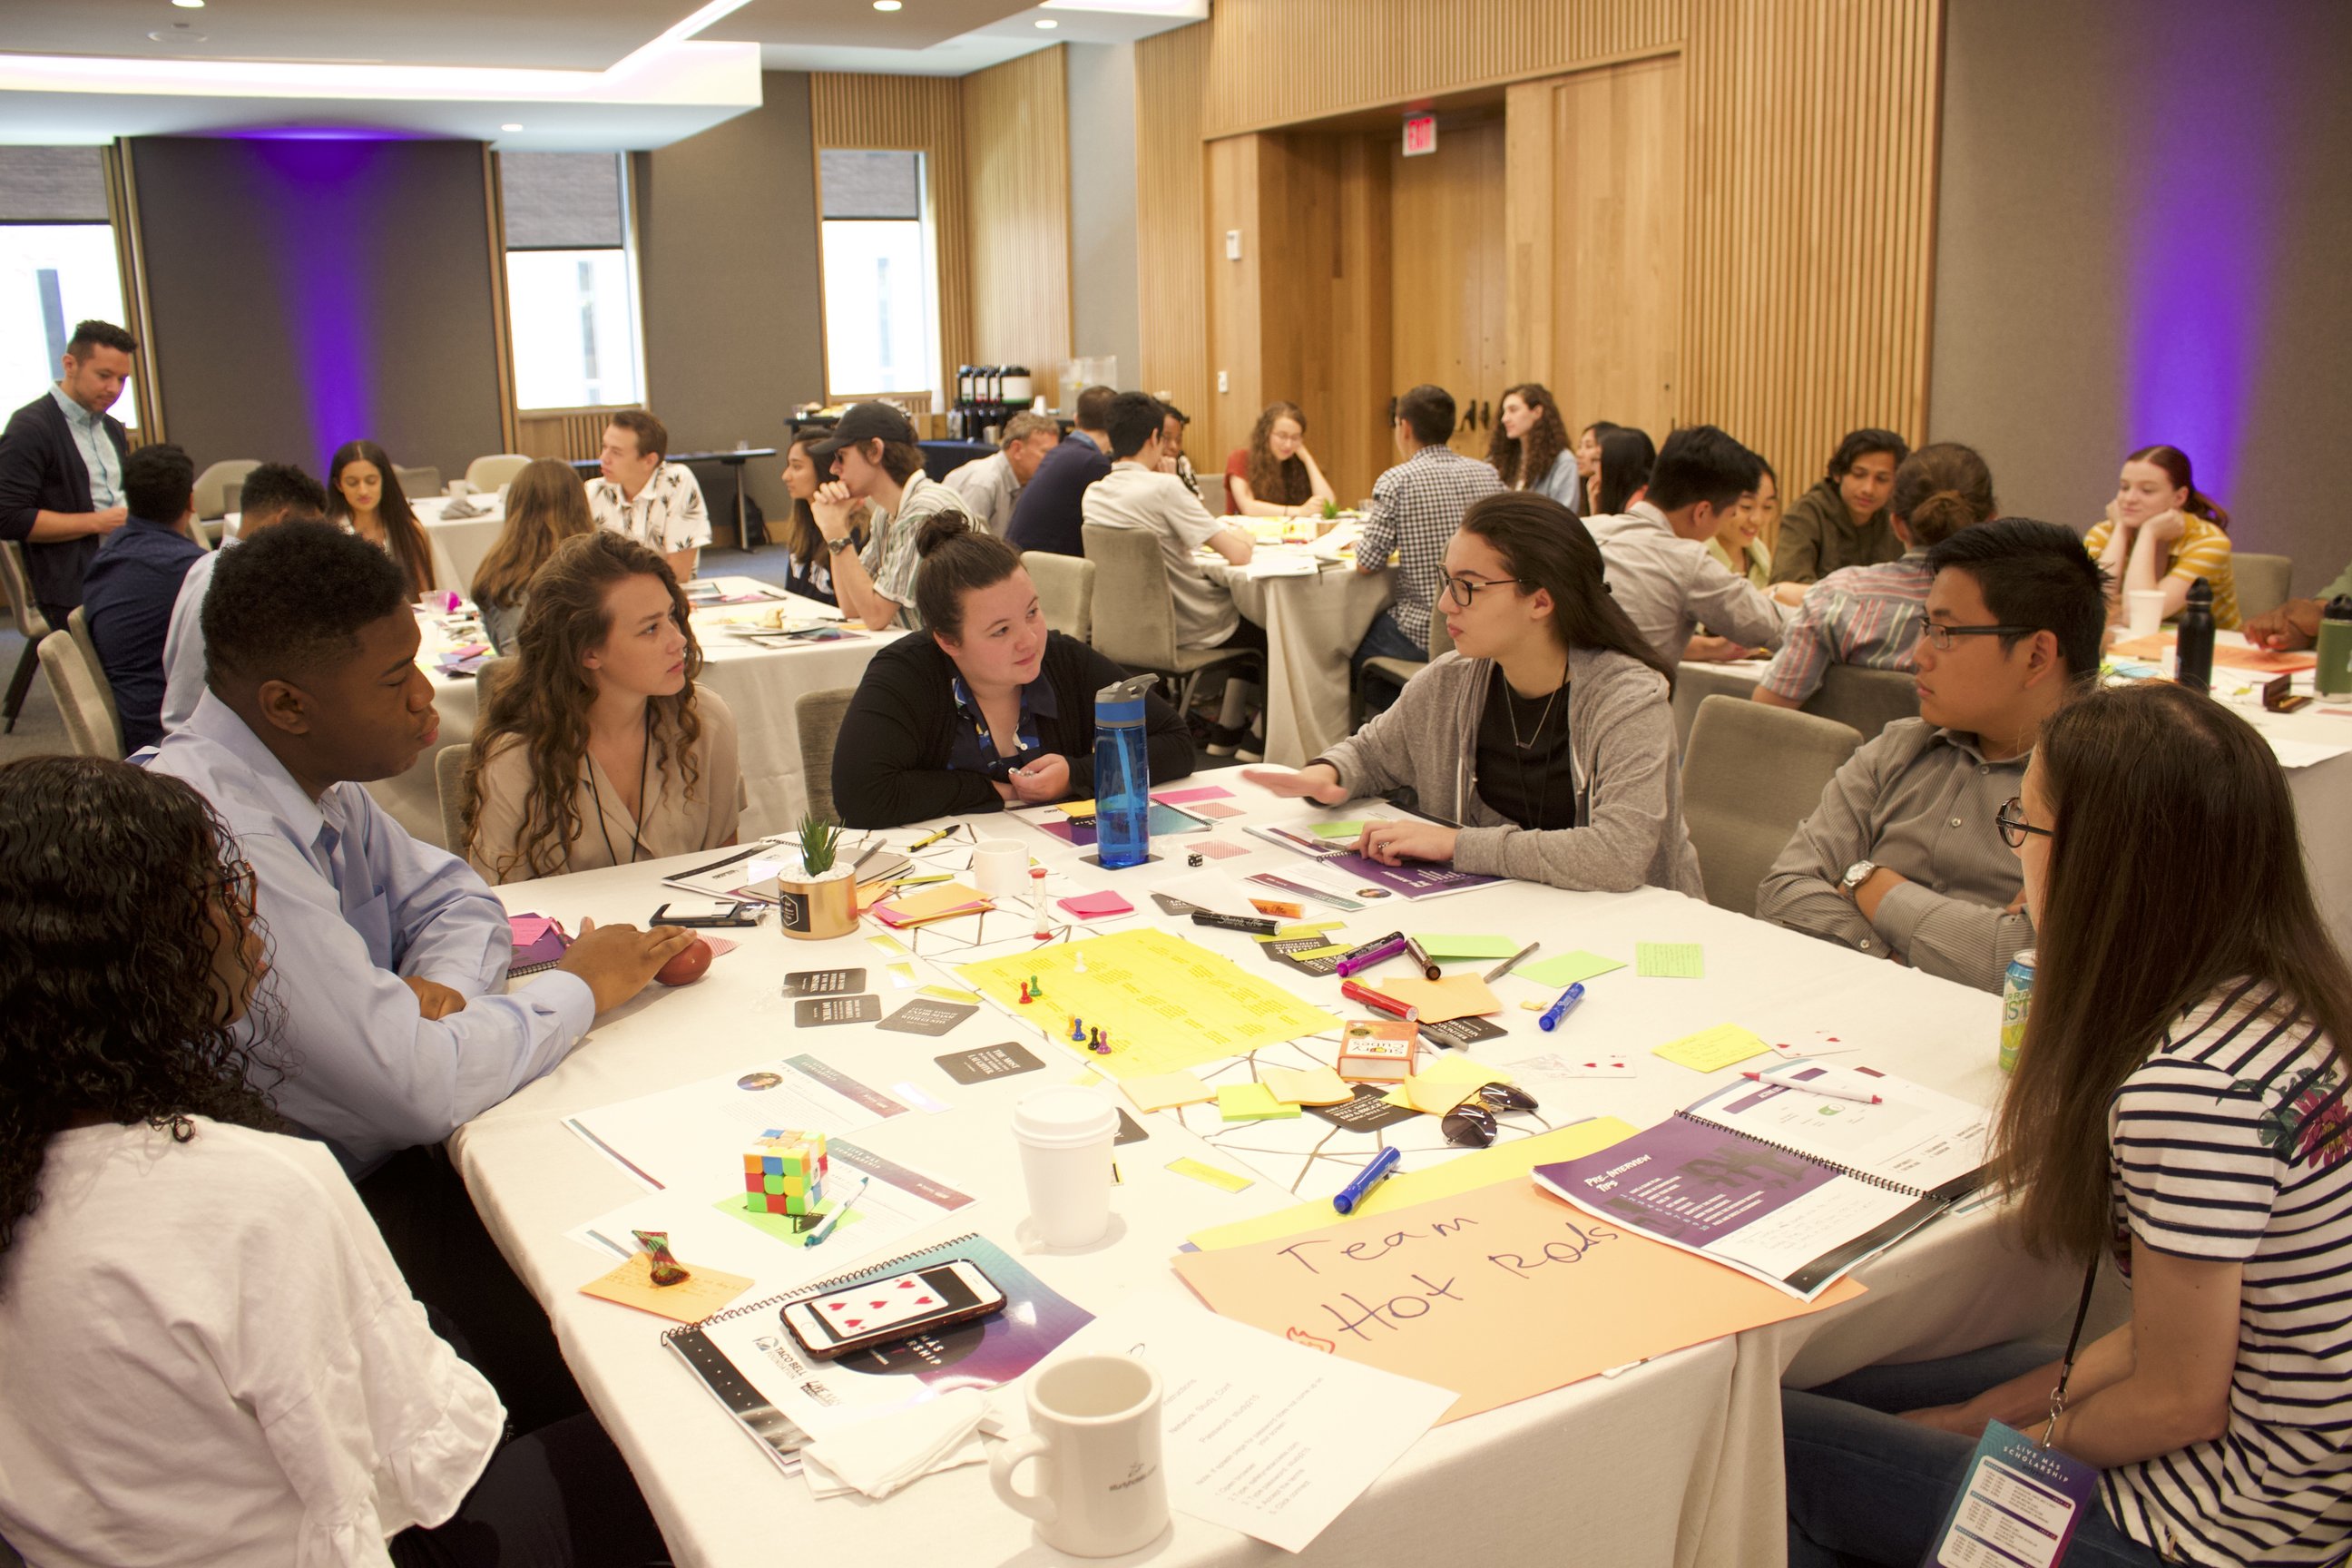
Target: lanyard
x,y
2074,1343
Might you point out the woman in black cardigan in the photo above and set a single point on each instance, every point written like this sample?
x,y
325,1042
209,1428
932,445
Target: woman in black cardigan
x,y
986,708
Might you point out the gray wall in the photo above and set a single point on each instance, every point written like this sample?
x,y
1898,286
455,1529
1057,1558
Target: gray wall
x,y
1104,318
2144,222
727,234
306,293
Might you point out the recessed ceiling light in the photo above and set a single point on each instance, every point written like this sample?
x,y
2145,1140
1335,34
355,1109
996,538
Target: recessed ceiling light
x,y
510,127
885,5
189,4
177,33
1047,23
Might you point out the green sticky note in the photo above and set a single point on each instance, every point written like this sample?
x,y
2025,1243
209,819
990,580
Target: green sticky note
x,y
1330,950
1339,829
1250,1103
1566,968
1669,959
1442,947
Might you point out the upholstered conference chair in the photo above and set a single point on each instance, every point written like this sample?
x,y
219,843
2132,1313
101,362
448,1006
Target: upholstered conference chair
x,y
1066,591
1751,775
1139,634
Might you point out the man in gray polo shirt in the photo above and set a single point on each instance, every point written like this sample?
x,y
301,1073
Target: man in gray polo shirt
x,y
1903,858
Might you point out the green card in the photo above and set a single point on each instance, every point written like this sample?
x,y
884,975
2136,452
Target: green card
x,y
1442,947
1669,959
1339,829
1250,1103
1567,968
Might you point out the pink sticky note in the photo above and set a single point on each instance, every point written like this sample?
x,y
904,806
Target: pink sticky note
x,y
1093,905
1218,811
1180,796
529,929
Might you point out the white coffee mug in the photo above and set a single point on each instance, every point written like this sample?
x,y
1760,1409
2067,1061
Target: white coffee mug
x,y
999,868
2144,608
1065,1134
1094,1430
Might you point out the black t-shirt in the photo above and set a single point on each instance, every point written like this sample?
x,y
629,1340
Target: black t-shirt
x,y
1534,785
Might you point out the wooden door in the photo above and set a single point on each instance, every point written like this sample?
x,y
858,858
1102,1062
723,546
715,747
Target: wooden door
x,y
1447,308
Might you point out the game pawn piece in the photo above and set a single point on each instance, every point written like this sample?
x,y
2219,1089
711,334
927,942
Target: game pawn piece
x,y
1081,965
1077,1033
1026,997
1035,989
1096,1043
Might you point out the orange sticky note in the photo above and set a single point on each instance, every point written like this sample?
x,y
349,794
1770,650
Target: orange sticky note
x,y
1455,996
702,1292
929,904
1162,1090
1316,1086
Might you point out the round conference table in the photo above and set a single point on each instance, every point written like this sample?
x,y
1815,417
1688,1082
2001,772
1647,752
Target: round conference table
x,y
761,681
459,543
1676,1460
1313,621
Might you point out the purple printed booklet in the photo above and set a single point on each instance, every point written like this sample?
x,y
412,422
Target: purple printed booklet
x,y
1366,879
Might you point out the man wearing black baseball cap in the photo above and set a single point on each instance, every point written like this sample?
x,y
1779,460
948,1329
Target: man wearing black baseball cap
x,y
872,456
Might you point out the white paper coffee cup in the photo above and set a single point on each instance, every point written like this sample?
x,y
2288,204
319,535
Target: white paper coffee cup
x,y
1065,1134
999,868
2145,608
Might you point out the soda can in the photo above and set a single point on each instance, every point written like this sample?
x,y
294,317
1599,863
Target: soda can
x,y
2016,997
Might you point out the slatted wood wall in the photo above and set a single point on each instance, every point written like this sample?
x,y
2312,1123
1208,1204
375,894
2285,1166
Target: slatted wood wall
x,y
1016,121
566,433
1171,240
912,113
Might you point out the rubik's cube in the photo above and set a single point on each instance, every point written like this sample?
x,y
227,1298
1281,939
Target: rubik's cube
x,y
784,1173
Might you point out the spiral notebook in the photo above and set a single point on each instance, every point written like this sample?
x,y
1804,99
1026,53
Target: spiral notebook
x,y
1794,1189
777,1393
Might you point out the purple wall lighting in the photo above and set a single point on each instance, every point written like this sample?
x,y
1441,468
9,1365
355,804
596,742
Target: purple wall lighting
x,y
2204,225
329,245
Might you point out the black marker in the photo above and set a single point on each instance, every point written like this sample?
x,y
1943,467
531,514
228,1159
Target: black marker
x,y
1249,924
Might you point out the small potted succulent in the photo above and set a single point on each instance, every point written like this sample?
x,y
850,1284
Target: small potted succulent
x,y
820,901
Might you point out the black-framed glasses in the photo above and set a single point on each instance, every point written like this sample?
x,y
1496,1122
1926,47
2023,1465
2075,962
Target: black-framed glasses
x,y
1940,637
1472,1122
1462,590
2010,820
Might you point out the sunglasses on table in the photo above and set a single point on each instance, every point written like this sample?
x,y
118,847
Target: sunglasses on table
x,y
2010,820
1471,1123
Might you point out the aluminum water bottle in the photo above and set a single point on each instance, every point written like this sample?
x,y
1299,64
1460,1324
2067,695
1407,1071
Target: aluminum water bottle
x,y
1122,776
2333,676
2193,650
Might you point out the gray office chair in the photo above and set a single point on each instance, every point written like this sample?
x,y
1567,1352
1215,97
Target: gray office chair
x,y
2263,582
416,482
31,625
489,473
77,625
213,485
1066,591
1400,670
819,716
80,686
1865,699
1139,634
449,784
1751,775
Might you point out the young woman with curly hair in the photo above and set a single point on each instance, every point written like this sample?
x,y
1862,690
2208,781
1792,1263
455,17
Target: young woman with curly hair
x,y
1275,475
546,505
598,749
1529,447
211,1355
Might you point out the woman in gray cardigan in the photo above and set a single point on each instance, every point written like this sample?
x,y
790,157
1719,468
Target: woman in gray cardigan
x,y
1563,771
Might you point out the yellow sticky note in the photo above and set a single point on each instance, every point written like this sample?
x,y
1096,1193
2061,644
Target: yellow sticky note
x,y
1333,950
1215,1177
1449,1073
1075,808
890,944
935,902
1710,1049
1455,996
1164,1090
1250,1103
1434,1095
950,994
1290,932
1317,1086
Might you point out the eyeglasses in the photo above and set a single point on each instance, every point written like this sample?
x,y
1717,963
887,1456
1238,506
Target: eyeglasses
x,y
1472,1122
2010,820
1940,638
1463,590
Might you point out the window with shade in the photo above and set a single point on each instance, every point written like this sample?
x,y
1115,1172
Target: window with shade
x,y
57,264
881,315
572,281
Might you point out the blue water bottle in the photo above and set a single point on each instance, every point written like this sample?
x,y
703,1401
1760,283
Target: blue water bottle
x,y
1122,776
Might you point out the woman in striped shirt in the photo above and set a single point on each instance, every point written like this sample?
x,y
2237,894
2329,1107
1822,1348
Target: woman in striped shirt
x,y
2178,1106
2161,533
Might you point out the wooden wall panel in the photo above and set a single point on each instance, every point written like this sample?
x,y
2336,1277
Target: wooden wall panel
x,y
1173,238
1017,167
1446,310
566,433
1234,306
912,113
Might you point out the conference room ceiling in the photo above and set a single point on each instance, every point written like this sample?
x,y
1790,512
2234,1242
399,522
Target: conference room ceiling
x,y
853,23
576,35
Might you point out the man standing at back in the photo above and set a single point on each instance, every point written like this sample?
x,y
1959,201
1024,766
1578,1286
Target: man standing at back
x,y
129,589
652,501
61,467
1417,507
273,493
990,486
1051,513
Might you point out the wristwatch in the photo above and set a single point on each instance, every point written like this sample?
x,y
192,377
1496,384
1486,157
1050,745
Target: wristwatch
x,y
1856,875
835,546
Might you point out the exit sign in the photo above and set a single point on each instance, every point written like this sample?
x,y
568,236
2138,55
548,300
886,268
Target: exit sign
x,y
1420,134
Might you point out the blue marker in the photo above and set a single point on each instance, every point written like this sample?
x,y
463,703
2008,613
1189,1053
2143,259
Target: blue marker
x,y
1384,1164
1559,1009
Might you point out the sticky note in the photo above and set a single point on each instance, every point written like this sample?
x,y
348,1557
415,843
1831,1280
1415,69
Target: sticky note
x,y
1291,933
1669,959
1316,1086
890,944
950,994
1564,970
932,904
1164,1090
1095,906
1443,1073
1075,807
902,975
1455,996
1712,1048
703,1291
1209,1174
1250,1103
1442,947
529,929
1337,829
1329,950
1434,1095
1186,797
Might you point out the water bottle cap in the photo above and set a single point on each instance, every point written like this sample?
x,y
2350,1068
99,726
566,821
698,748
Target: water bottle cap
x,y
2338,608
1122,702
2200,592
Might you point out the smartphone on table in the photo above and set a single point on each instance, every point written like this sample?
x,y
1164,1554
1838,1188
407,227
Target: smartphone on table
x,y
892,1308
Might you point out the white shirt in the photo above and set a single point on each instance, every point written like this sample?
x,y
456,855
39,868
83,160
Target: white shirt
x,y
1132,495
1668,586
212,1358
668,514
184,643
989,489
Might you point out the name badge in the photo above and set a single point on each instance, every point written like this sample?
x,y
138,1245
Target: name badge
x,y
2018,1506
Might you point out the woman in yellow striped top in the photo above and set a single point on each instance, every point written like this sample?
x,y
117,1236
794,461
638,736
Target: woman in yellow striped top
x,y
2162,534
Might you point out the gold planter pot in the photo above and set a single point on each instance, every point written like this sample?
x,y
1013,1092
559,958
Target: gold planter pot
x,y
817,910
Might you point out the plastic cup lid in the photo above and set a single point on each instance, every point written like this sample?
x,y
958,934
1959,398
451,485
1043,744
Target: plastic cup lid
x,y
1064,1114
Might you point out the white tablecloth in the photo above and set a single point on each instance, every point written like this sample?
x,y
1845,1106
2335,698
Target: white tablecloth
x,y
1674,1462
459,546
1312,625
761,682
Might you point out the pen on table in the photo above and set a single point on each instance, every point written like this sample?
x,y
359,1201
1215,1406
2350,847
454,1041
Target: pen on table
x,y
1379,1000
1785,1078
1252,924
928,839
1561,1009
1413,951
1511,963
1379,949
842,1208
1383,1165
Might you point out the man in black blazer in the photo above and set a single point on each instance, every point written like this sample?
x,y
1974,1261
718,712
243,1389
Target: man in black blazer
x,y
61,467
